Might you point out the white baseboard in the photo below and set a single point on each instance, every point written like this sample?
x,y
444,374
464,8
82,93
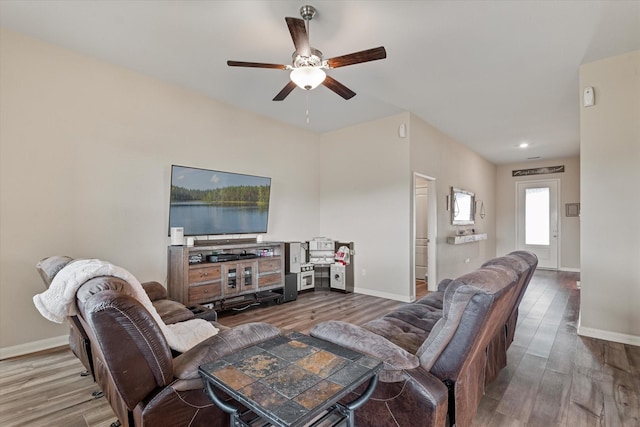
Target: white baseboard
x,y
33,347
379,294
570,269
608,335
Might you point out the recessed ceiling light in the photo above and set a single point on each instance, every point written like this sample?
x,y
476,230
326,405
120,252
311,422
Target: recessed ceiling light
x,y
523,145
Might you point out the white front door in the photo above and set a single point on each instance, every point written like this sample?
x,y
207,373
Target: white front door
x,y
537,220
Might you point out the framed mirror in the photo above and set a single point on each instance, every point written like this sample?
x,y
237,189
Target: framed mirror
x,y
462,207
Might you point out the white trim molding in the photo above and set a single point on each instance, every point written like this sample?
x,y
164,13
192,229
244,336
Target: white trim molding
x,y
33,347
608,335
570,269
385,295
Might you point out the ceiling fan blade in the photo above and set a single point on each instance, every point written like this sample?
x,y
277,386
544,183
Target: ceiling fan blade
x,y
299,35
255,65
358,57
285,91
338,88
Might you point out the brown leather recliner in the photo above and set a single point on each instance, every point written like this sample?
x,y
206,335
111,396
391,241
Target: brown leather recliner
x,y
144,384
170,311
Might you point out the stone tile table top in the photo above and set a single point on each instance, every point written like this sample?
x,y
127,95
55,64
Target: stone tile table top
x,y
289,380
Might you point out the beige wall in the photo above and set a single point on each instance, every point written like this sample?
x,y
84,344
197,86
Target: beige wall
x,y
453,165
569,243
374,162
610,180
371,162
86,150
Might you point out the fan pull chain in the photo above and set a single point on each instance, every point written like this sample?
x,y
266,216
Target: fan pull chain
x,y
307,107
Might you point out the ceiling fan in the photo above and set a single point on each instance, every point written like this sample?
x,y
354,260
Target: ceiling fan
x,y
307,66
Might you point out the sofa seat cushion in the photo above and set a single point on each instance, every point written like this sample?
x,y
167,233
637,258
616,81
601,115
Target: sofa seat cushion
x,y
408,326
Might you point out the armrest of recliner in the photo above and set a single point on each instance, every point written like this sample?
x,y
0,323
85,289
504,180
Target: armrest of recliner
x,y
154,290
222,344
395,358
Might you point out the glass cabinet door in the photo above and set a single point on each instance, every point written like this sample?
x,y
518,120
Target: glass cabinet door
x,y
232,275
240,278
247,276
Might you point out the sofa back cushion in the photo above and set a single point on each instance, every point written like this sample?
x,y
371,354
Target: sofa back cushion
x,y
50,266
132,354
532,261
98,285
522,268
467,321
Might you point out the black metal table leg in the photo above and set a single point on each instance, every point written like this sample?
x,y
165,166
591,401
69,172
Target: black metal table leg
x,y
349,408
229,409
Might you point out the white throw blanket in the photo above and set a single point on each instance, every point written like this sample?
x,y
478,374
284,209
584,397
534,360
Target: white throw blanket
x,y
58,302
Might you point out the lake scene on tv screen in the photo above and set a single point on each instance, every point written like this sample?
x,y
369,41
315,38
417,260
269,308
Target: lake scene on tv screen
x,y
207,202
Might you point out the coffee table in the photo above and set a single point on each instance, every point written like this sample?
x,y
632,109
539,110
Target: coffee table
x,y
291,380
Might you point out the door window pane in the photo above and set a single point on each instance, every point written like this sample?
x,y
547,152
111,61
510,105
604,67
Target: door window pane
x,y
536,217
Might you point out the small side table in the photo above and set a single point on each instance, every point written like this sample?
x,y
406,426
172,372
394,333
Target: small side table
x,y
290,381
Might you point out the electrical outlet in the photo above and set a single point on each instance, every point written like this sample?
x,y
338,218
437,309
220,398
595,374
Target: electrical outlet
x,y
364,272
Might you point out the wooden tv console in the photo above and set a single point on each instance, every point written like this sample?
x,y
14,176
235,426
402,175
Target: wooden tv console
x,y
245,274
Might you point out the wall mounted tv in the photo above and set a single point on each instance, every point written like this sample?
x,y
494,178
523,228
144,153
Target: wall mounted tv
x,y
208,202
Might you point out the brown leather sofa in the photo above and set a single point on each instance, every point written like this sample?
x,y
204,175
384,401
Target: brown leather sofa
x,y
437,350
170,311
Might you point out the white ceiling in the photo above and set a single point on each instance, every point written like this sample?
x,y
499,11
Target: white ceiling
x,y
491,74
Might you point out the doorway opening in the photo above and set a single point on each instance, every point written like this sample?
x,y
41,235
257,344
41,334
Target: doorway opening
x,y
537,224
423,268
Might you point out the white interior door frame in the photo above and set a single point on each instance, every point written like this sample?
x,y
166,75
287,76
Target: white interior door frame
x,y
432,226
548,255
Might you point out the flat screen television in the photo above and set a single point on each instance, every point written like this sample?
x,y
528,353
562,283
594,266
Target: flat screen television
x,y
209,202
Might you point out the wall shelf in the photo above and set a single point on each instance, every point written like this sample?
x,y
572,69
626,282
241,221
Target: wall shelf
x,y
467,238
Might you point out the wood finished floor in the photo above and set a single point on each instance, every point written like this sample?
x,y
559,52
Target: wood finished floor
x,y
553,377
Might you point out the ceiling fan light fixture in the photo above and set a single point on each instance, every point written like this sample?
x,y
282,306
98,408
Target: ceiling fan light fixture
x,y
306,70
307,77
